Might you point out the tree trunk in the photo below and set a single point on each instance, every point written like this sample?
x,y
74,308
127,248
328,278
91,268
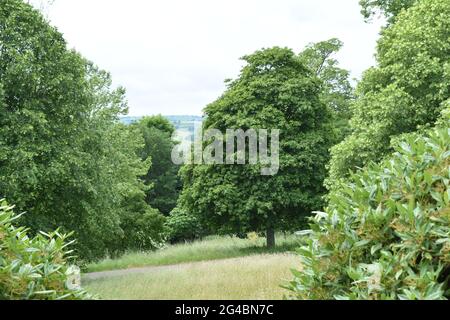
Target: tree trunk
x,y
270,237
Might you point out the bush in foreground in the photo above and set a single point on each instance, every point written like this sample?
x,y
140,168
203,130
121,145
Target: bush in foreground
x,y
385,234
35,268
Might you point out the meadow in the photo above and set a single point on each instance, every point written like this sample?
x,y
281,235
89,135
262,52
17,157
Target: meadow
x,y
217,268
253,277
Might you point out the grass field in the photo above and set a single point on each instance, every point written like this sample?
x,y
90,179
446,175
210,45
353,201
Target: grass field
x,y
216,268
212,248
256,277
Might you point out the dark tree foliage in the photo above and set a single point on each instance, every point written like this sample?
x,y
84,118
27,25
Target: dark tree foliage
x,y
162,178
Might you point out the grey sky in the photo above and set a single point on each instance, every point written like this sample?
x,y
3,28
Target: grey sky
x,y
172,56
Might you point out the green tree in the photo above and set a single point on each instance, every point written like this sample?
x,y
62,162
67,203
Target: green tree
x,y
405,92
275,90
63,158
162,177
338,92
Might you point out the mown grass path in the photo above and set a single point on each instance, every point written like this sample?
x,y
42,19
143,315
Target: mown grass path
x,y
131,271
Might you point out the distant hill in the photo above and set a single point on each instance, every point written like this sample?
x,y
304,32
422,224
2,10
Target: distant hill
x,y
129,120
184,123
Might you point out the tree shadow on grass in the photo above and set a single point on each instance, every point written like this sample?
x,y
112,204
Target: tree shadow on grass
x,y
282,248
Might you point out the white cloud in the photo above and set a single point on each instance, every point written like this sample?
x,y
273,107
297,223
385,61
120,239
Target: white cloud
x,y
172,56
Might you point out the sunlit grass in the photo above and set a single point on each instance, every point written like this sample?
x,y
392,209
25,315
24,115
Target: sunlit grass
x,y
254,277
212,248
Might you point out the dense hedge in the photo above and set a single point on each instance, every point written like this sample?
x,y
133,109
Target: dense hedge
x,y
386,232
35,268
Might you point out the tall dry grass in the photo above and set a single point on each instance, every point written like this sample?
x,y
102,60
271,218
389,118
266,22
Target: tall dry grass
x,y
253,277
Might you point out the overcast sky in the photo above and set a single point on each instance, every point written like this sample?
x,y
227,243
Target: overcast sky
x,y
173,56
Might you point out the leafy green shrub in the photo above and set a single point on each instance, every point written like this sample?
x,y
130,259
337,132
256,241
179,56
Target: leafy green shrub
x,y
35,268
143,231
182,226
385,233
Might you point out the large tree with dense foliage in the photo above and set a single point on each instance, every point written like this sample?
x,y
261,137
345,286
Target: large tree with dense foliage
x,y
63,159
275,90
405,92
162,177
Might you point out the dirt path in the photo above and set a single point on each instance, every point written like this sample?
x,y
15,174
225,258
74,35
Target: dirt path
x,y
125,272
